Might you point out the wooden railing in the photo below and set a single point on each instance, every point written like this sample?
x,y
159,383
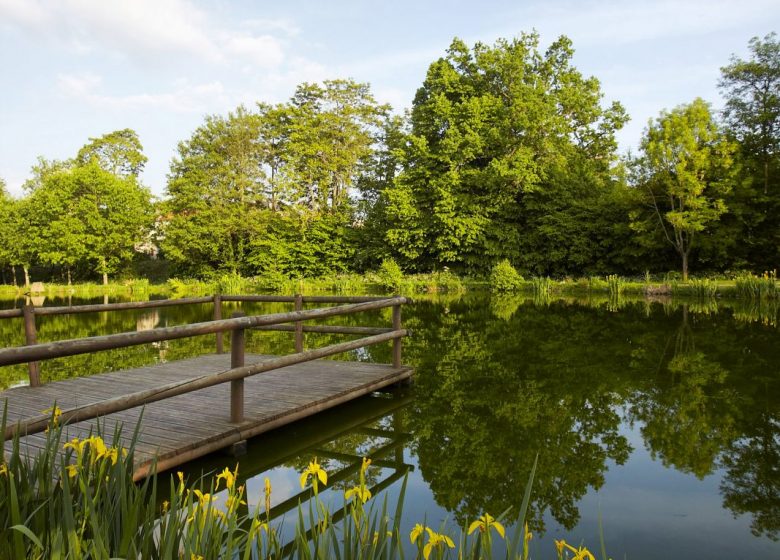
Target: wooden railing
x,y
236,325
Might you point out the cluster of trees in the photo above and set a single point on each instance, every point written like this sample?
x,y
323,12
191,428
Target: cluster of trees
x,y
508,152
87,214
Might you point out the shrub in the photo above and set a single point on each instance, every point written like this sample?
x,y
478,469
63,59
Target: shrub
x,y
504,277
390,274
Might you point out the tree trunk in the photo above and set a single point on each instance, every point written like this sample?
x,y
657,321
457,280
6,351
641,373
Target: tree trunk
x,y
105,279
685,266
13,276
26,277
69,279
766,176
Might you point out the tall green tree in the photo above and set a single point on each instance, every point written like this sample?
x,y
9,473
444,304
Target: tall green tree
x,y
502,137
216,186
334,129
119,153
751,88
685,170
752,91
90,211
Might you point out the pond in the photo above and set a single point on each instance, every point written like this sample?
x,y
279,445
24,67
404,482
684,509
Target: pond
x,y
661,420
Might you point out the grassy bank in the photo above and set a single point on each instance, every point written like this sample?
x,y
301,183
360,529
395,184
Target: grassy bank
x,y
85,505
745,286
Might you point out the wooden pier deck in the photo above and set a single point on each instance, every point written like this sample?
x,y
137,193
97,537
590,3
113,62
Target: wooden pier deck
x,y
192,407
181,428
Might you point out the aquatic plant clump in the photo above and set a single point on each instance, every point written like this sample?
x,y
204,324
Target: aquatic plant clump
x,y
84,504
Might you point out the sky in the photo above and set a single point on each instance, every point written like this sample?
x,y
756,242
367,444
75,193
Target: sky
x,y
75,69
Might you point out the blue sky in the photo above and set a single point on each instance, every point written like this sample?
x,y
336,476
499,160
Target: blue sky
x,y
74,69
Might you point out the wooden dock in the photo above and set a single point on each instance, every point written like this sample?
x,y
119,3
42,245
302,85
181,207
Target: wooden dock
x,y
181,428
192,407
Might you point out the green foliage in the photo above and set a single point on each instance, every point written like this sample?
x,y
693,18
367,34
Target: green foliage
x,y
231,284
504,141
616,285
390,274
757,287
542,286
504,277
685,171
704,287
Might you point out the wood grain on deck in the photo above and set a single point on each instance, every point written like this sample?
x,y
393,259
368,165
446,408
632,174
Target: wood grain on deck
x,y
179,429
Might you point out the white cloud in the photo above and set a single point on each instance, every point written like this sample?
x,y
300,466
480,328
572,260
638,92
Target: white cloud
x,y
146,29
263,51
185,98
620,22
270,25
23,12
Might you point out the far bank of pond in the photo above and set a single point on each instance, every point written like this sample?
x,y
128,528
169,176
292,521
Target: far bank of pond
x,y
661,416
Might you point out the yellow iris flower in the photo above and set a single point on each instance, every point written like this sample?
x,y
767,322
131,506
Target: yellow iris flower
x,y
363,494
228,476
434,539
484,524
315,471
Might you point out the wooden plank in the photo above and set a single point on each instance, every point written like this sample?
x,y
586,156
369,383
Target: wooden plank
x,y
193,424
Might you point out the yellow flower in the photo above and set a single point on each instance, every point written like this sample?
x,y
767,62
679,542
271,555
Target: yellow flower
x,y
365,465
55,412
435,539
267,496
73,470
76,445
416,532
234,502
3,469
165,505
484,524
580,553
194,556
363,494
316,472
228,476
204,499
181,482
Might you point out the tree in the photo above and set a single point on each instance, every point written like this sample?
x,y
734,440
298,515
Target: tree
x,y
119,153
752,112
216,186
333,130
685,170
501,137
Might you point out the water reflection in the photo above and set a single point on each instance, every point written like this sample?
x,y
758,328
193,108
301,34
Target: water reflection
x,y
592,386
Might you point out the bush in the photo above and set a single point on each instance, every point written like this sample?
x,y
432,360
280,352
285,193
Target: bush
x,y
504,277
390,275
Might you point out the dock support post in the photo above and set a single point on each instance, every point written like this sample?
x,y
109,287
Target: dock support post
x,y
237,347
217,317
396,341
31,337
298,324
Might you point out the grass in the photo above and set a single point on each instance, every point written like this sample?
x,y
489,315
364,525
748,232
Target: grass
x,y
85,505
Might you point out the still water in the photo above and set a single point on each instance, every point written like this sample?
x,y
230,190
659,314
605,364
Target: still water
x,y
662,419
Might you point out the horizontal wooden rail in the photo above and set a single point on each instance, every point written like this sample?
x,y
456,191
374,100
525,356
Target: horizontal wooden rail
x,y
327,329
61,348
86,412
156,303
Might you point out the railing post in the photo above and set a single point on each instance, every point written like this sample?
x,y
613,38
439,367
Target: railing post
x,y
31,337
217,317
396,341
237,347
298,324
